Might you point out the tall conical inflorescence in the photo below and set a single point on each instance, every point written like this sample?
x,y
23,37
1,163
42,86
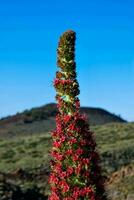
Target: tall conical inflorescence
x,y
75,171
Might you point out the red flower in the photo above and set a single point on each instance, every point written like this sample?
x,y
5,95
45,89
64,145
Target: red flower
x,y
57,144
53,179
83,142
54,196
75,157
76,193
54,188
72,127
56,81
58,167
70,134
62,139
63,174
64,186
88,190
66,118
72,141
57,155
68,198
60,81
86,160
68,152
77,103
78,169
86,174
69,170
79,151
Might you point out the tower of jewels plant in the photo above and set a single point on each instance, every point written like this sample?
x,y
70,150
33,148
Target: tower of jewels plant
x,y
75,170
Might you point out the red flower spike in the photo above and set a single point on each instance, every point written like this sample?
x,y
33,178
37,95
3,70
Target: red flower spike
x,y
75,170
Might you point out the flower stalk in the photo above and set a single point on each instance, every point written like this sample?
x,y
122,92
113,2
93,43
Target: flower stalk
x,y
75,170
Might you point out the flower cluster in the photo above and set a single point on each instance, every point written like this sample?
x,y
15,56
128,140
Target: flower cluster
x,y
68,87
75,170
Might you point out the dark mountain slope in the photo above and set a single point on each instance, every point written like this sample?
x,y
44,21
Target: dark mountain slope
x,y
42,119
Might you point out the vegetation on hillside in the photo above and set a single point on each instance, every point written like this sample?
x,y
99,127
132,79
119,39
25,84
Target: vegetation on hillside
x,y
25,161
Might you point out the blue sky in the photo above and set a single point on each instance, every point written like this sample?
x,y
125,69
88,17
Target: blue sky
x,y
29,32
